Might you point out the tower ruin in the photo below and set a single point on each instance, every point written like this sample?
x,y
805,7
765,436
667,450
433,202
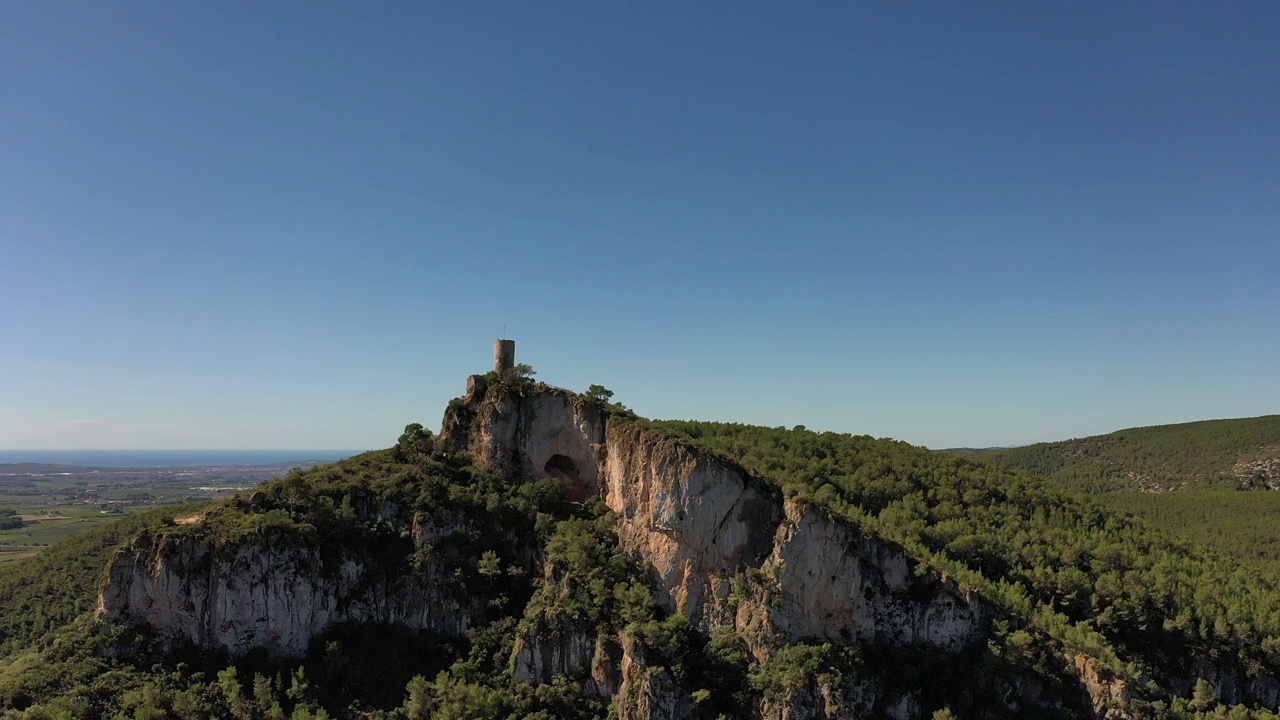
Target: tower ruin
x,y
504,356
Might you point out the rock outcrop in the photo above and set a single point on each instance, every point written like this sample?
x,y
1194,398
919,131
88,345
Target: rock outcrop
x,y
843,586
702,523
1108,696
649,693
271,591
557,434
551,648
695,519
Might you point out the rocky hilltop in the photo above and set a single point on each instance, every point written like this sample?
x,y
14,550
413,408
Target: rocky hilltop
x,y
581,544
700,521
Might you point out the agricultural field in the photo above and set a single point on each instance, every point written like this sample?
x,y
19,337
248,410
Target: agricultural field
x,y
43,504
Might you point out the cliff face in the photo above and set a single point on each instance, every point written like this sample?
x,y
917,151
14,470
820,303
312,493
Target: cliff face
x,y
553,648
842,586
270,590
696,520
548,434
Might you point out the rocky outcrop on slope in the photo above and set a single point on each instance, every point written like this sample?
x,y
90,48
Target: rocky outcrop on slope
x,y
695,519
1108,695
704,524
551,647
649,693
271,590
843,586
827,699
551,433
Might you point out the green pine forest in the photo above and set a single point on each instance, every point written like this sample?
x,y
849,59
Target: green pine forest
x,y
1208,463
1089,576
1244,526
1221,454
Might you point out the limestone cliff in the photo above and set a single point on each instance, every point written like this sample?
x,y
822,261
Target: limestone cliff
x,y
550,647
649,693
270,590
843,586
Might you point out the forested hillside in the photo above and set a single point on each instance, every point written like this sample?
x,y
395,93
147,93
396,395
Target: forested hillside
x,y
84,669
1068,594
45,592
1063,562
1241,453
1242,525
1133,469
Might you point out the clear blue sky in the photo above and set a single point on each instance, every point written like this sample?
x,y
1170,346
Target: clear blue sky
x,y
274,225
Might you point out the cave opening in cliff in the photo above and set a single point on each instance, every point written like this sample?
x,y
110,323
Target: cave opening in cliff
x,y
561,466
564,469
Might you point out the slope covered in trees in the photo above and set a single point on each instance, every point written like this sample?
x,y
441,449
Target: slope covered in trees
x,y
1240,453
47,591
86,670
1063,562
1130,470
1077,589
1244,526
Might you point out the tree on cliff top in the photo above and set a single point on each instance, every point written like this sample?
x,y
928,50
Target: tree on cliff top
x,y
599,394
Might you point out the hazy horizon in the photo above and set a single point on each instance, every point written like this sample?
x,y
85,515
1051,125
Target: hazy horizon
x,y
141,457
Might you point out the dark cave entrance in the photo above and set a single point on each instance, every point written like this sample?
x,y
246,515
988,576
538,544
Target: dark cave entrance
x,y
564,469
560,466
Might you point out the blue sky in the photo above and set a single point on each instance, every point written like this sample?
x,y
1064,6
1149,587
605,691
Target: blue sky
x,y
248,225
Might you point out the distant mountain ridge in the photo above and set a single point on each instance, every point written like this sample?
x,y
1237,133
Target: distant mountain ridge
x,y
974,452
1241,453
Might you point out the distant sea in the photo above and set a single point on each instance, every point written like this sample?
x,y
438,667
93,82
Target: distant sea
x,y
153,458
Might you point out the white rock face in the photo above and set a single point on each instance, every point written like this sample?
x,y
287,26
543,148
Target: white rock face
x,y
549,434
690,515
264,591
843,586
824,698
649,693
552,648
695,519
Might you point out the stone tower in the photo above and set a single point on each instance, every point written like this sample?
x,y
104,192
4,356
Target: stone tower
x,y
504,355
